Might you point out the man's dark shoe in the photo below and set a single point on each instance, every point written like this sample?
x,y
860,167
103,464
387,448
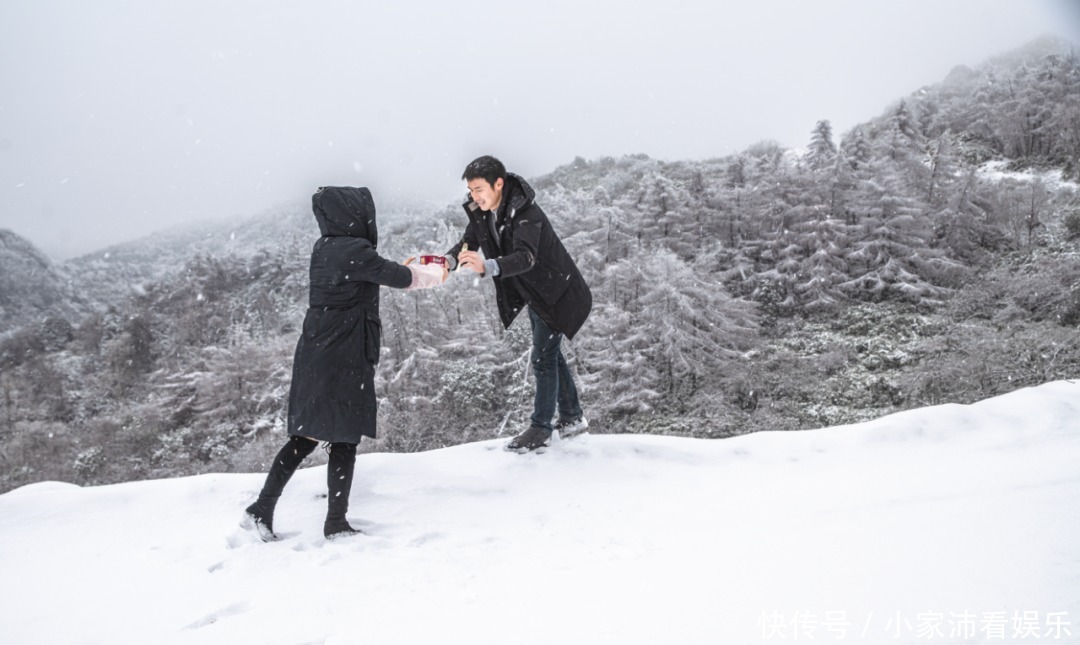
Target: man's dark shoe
x,y
532,439
570,427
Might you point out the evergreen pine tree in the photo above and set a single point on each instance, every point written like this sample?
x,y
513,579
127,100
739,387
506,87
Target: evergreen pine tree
x,y
822,150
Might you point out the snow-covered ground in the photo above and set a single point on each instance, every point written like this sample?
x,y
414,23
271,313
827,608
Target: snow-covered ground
x,y
1054,180
949,524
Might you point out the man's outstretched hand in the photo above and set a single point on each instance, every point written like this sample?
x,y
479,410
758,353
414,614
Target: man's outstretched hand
x,y
471,260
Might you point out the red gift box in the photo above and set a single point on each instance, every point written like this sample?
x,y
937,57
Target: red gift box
x,y
433,259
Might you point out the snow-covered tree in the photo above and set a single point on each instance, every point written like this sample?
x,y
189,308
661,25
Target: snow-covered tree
x,y
821,152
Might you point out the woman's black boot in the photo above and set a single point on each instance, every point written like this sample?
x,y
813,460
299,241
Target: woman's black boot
x,y
260,515
339,474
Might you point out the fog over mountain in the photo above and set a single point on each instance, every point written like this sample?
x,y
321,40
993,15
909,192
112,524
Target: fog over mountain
x,y
120,119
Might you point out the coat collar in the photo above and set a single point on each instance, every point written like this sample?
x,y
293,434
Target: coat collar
x,y
517,196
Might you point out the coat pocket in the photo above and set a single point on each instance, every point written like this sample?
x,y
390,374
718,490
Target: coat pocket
x,y
372,338
550,285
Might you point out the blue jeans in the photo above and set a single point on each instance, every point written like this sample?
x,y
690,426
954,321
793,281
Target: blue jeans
x,y
554,383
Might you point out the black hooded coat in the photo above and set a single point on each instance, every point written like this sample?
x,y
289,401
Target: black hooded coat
x,y
534,267
332,397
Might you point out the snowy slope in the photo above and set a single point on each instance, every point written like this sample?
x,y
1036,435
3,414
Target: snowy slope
x,y
957,519
31,287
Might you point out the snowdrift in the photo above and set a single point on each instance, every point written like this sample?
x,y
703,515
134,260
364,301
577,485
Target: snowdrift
x,y
956,522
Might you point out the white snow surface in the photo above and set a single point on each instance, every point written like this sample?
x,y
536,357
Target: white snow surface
x,y
951,518
1054,180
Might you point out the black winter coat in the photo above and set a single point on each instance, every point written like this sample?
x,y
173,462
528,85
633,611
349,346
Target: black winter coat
x,y
534,266
332,397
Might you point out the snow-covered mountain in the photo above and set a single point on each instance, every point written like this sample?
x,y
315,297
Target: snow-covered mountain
x,y
953,523
31,287
111,275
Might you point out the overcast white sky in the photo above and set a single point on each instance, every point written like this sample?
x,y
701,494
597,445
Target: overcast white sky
x,y
118,119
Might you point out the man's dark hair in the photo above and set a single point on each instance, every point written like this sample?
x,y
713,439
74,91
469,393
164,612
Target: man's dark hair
x,y
487,168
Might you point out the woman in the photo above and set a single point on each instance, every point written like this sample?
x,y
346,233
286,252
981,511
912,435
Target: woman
x,y
332,397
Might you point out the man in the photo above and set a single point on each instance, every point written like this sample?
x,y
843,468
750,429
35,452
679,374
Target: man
x,y
530,268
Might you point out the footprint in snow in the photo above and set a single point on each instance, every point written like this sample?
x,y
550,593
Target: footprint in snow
x,y
432,536
211,618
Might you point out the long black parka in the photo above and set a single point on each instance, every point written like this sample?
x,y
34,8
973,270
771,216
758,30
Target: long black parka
x,y
332,397
534,266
